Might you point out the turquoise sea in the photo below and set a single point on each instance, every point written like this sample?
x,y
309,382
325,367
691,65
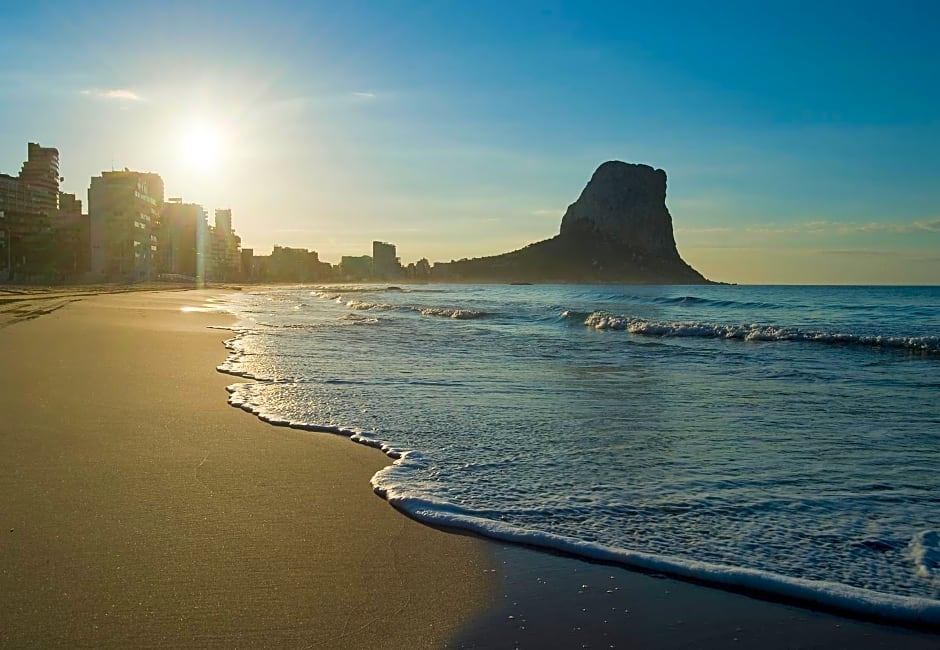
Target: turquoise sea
x,y
781,439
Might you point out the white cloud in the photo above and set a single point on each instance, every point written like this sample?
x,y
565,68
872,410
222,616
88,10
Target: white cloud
x,y
846,227
858,252
121,94
364,95
903,228
548,213
703,231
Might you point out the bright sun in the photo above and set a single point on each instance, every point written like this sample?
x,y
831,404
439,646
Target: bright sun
x,y
202,146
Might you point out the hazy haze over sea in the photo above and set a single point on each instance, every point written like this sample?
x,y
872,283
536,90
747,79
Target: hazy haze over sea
x,y
789,432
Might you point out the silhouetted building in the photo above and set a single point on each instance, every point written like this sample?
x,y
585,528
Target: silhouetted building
x,y
182,239
292,265
26,247
45,238
123,209
72,239
355,268
41,172
17,195
69,205
419,271
225,246
248,270
385,265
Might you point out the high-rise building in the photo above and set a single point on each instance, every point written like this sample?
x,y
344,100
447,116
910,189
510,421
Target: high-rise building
x,y
385,264
28,205
355,268
123,209
182,239
41,172
72,233
17,195
248,264
226,259
286,264
69,205
26,241
223,219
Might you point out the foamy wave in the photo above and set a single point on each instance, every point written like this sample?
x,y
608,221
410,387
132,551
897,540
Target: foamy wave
x,y
356,319
907,610
753,332
460,314
339,288
925,551
456,313
363,305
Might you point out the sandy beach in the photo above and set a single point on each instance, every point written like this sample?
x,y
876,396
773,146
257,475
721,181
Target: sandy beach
x,y
138,509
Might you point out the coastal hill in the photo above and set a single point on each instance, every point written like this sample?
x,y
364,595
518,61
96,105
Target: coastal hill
x,y
619,230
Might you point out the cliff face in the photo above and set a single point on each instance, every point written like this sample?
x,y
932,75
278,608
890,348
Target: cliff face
x,y
625,203
618,230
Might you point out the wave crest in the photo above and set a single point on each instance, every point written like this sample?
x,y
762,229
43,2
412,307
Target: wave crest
x,y
600,320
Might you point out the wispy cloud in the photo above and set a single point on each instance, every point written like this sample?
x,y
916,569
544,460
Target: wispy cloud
x,y
120,94
857,253
902,228
808,227
548,212
364,95
703,231
844,227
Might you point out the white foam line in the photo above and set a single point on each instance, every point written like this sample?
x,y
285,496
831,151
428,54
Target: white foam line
x,y
908,610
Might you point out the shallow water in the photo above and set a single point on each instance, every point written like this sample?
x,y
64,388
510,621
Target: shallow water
x,y
787,438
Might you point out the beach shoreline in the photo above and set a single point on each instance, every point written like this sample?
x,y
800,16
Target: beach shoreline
x,y
140,509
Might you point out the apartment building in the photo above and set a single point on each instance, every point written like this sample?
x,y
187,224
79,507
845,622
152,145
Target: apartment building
x,y
123,210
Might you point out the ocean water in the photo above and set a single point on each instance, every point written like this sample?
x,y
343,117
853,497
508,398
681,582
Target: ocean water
x,y
783,439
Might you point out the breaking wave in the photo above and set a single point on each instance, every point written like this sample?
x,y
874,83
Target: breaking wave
x,y
457,313
600,320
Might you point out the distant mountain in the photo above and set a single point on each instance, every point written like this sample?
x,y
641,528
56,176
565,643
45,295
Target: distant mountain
x,y
618,230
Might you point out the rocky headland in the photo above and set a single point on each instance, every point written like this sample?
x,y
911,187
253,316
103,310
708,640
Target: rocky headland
x,y
619,230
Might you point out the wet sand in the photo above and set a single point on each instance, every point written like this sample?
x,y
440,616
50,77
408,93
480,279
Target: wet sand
x,y
552,601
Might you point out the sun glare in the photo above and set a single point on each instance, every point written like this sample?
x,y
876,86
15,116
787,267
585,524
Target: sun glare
x,y
202,146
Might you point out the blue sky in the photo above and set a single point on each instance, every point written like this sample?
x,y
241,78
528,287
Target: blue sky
x,y
801,140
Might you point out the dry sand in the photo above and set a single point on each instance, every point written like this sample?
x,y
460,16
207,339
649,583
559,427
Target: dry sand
x,y
138,509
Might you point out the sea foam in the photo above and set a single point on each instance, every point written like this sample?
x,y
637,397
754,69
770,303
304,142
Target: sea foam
x,y
925,551
921,612
600,320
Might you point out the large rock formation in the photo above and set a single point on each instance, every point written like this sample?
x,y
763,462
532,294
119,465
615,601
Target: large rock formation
x,y
627,203
619,230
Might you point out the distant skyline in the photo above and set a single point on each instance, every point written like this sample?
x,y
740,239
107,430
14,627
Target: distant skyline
x,y
801,140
